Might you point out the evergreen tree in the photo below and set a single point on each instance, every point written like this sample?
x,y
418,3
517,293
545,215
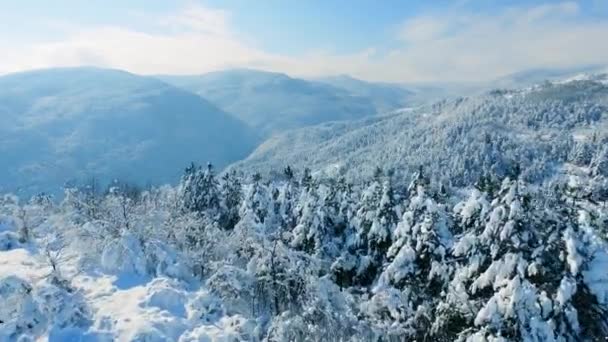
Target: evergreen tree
x,y
314,227
256,200
369,234
231,200
599,163
200,191
307,180
288,195
417,264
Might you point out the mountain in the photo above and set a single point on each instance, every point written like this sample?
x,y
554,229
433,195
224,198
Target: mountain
x,y
385,96
76,123
273,102
528,131
428,92
526,78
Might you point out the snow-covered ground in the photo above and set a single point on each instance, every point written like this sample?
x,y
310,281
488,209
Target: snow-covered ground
x,y
96,305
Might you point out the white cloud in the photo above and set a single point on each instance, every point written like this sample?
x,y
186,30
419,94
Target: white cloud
x,y
568,8
422,29
466,46
435,47
201,19
196,39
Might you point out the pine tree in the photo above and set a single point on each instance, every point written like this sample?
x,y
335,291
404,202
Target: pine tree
x,y
380,233
256,200
369,246
518,274
368,232
231,200
250,233
345,269
200,191
599,163
313,230
288,195
582,154
417,265
573,267
307,180
288,173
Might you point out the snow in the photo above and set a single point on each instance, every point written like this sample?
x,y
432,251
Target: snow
x,y
403,265
566,290
166,295
227,329
464,245
9,240
601,78
573,257
23,264
500,272
596,276
125,254
472,206
517,300
158,309
19,313
124,307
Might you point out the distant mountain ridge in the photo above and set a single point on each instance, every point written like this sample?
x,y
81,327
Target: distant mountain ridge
x,y
386,97
526,78
273,102
75,123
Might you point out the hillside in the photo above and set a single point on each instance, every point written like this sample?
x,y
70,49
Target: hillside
x,y
530,77
530,131
73,124
273,102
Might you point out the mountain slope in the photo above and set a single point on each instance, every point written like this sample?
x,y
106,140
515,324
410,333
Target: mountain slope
x,y
385,96
531,77
503,132
272,102
63,124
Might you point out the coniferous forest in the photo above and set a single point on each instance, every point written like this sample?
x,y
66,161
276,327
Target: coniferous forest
x,y
321,259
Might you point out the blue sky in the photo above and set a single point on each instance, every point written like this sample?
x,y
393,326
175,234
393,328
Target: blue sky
x,y
386,40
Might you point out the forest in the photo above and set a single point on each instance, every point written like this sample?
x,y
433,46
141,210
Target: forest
x,y
320,259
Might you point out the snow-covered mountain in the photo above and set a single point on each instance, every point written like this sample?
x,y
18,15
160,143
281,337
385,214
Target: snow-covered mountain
x,y
386,97
272,102
75,123
529,130
526,78
471,249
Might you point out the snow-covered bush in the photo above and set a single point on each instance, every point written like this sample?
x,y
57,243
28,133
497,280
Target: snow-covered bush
x,y
20,315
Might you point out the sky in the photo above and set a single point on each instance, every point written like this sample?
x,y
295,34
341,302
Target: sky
x,y
388,40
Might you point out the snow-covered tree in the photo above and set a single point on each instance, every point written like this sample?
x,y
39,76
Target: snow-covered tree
x,y
200,191
314,228
231,200
417,265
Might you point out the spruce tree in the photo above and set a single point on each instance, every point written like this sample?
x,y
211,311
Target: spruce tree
x,y
231,191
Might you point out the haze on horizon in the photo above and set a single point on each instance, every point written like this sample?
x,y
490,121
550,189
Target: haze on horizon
x,y
397,41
